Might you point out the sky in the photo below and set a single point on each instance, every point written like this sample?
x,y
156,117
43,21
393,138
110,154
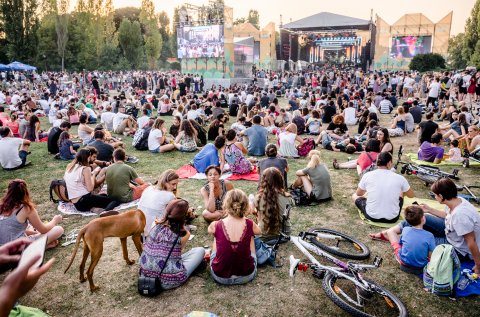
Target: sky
x,y
389,10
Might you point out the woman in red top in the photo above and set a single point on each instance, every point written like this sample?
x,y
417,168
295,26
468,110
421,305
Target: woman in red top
x,y
365,160
14,125
233,259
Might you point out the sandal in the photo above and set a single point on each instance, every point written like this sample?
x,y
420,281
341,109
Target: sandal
x,y
379,236
335,164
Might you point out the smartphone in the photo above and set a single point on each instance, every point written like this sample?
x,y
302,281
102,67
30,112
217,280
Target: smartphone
x,y
35,248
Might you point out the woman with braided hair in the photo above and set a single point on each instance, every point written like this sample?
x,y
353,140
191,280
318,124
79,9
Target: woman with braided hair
x,y
272,202
233,259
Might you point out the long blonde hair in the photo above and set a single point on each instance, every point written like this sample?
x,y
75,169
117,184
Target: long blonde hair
x,y
166,177
314,156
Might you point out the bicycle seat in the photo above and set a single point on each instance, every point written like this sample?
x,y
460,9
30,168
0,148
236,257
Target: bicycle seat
x,y
293,265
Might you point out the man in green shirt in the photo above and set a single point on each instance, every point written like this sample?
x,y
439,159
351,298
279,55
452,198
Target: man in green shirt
x,y
120,177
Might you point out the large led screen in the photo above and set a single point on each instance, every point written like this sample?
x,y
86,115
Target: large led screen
x,y
409,46
200,41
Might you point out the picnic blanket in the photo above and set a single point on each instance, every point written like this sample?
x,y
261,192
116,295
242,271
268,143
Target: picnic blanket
x,y
414,158
69,208
377,223
431,202
188,171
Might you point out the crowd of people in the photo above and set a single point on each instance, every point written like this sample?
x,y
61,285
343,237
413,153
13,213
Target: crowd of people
x,y
231,129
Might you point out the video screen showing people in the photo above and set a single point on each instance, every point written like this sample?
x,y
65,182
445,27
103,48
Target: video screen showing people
x,y
200,41
409,46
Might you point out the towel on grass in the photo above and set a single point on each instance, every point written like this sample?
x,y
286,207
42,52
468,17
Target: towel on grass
x,y
188,171
414,158
69,208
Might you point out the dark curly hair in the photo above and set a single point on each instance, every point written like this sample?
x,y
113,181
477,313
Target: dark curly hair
x,y
271,186
187,127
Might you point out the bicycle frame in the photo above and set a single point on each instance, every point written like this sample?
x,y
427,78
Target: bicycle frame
x,y
342,267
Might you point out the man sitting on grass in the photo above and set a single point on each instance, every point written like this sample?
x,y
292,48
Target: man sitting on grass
x,y
385,191
123,183
13,151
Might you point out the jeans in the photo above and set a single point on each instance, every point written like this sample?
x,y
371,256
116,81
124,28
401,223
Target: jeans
x,y
89,201
192,259
234,280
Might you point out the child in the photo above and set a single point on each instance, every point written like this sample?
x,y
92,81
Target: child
x,y
454,155
415,245
65,146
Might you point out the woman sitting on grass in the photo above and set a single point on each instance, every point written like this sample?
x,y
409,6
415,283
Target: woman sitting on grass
x,y
170,234
315,179
234,155
271,204
65,147
19,218
157,140
365,160
80,181
233,260
213,193
155,198
185,140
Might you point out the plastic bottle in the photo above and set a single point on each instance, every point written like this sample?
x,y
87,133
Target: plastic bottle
x,y
466,278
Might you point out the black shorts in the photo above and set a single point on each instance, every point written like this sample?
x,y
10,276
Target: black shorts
x,y
462,90
361,203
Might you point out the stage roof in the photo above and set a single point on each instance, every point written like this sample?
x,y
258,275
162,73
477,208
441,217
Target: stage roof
x,y
326,20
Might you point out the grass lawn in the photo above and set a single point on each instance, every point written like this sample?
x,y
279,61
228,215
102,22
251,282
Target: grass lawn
x,y
272,293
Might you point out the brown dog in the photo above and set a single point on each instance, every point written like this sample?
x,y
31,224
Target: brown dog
x,y
130,223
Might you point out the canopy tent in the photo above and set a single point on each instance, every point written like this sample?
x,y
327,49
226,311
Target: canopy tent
x,y
4,67
21,67
327,21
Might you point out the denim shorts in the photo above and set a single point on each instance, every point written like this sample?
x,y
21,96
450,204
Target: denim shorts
x,y
157,150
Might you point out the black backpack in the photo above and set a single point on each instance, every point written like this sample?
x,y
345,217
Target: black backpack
x,y
233,110
59,188
140,140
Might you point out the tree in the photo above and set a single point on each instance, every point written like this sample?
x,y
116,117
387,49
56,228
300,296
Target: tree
x,y
239,21
130,39
131,13
471,37
254,18
152,37
427,62
455,57
19,25
61,27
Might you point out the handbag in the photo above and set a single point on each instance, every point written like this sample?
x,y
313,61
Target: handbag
x,y
151,286
265,253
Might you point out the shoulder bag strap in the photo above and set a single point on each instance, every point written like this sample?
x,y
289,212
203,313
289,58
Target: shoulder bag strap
x,y
369,157
169,253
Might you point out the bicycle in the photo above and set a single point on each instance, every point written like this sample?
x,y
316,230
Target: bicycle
x,y
428,174
344,283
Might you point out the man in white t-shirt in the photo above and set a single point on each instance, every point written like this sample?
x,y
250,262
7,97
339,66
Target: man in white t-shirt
x,y
385,190
433,92
107,118
13,151
408,83
123,123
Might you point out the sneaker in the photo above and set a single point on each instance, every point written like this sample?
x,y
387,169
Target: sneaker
x,y
107,213
132,160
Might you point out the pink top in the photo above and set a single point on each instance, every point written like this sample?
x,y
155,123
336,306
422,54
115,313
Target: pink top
x,y
233,258
364,161
74,118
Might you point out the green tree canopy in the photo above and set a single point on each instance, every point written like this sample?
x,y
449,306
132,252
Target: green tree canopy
x,y
427,62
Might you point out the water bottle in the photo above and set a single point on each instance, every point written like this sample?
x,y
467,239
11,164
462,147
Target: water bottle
x,y
466,278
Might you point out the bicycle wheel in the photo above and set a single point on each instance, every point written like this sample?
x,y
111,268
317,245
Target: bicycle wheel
x,y
377,302
345,246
